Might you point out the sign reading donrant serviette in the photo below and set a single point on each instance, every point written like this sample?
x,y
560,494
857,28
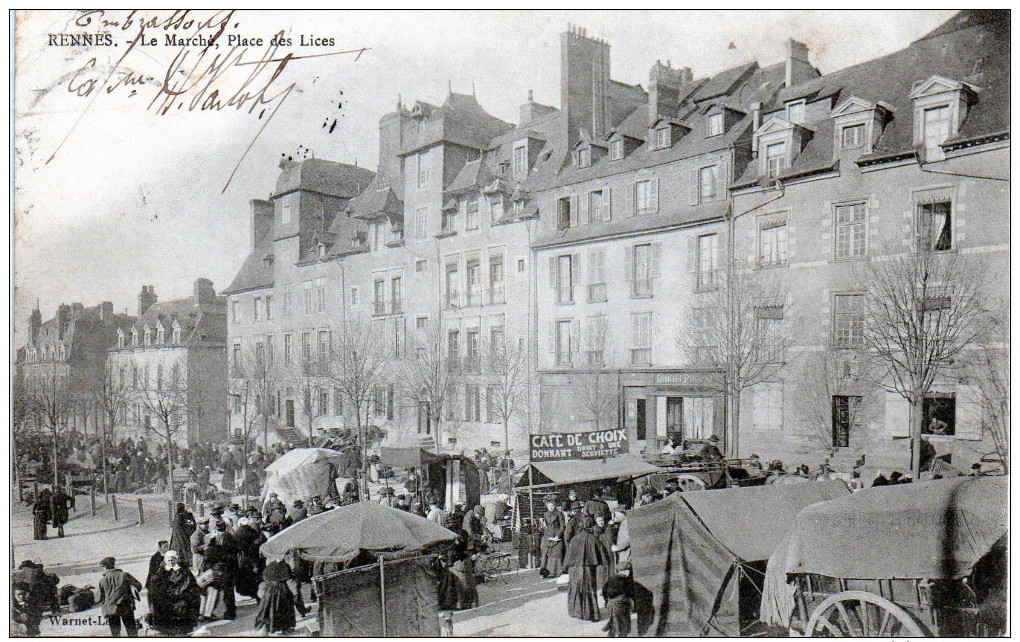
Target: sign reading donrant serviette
x,y
578,445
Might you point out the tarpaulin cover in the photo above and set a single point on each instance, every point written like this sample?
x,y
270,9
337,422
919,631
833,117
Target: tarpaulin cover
x,y
680,550
407,457
935,530
335,535
350,602
300,474
573,471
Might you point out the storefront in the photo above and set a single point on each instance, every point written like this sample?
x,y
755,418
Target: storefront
x,y
677,405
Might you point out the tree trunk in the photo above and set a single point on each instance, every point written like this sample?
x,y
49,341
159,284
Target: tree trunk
x,y
506,446
916,426
244,470
363,438
102,446
56,477
170,468
732,448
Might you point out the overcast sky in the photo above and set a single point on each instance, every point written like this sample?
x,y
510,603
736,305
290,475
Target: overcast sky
x,y
131,198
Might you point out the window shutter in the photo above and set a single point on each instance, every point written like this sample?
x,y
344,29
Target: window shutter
x,y
574,207
969,413
631,201
575,269
758,410
656,251
692,253
722,176
552,337
655,195
575,336
628,262
607,212
692,187
584,212
717,260
897,415
553,276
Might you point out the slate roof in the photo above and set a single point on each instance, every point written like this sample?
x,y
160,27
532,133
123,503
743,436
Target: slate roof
x,y
460,120
323,176
972,47
256,271
201,323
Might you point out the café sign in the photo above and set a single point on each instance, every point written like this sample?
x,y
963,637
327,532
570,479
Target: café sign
x,y
578,445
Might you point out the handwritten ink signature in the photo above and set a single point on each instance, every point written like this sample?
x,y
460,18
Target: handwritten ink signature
x,y
206,84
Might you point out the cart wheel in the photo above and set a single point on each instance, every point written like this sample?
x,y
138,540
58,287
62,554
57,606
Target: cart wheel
x,y
690,482
860,614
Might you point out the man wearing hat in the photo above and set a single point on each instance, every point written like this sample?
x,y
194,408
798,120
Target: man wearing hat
x,y
198,542
298,512
117,594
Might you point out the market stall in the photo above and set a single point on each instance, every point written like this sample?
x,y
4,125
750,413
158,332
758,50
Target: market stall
x,y
451,478
302,473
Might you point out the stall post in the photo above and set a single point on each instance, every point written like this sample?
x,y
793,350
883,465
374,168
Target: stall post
x,y
382,592
531,511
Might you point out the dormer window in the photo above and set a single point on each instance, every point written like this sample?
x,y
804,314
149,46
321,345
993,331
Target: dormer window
x,y
716,124
177,333
936,126
795,112
160,335
120,338
775,159
134,336
662,138
584,157
521,160
148,336
616,149
940,105
853,136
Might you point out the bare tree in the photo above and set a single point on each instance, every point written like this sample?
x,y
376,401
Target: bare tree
x,y
54,400
921,310
743,331
252,387
988,366
426,376
357,362
110,391
595,381
507,377
307,375
166,398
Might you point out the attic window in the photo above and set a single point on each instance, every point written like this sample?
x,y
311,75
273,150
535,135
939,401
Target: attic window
x,y
852,136
584,157
504,167
616,149
715,124
662,138
775,159
936,126
177,334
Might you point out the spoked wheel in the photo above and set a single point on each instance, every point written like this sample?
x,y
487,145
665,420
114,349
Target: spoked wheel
x,y
860,614
690,482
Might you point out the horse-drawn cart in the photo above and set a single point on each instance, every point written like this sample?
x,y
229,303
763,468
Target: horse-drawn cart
x,y
919,559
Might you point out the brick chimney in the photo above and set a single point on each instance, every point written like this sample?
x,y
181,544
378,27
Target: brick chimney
x,y
204,291
798,69
35,322
146,299
391,140
106,312
261,219
532,111
664,84
584,84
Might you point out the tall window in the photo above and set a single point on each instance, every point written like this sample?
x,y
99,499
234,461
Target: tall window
x,y
474,285
323,402
708,271
852,136
768,344
235,312
496,338
320,294
398,337
379,292
708,182
520,161
565,279
324,346
396,295
641,339
772,241
285,208
420,216
584,157
287,350
286,301
767,406
775,159
616,149
491,405
472,215
936,126
646,197
598,206
452,285
378,236
662,138
256,304
715,124
453,349
563,347
497,279
424,162
851,240
269,307
473,355
472,404
306,347
235,360
307,289
935,226
847,320
563,213
496,208
642,283
846,416
597,275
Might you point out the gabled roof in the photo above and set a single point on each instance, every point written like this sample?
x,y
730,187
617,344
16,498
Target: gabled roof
x,y
323,176
374,201
723,82
201,323
473,176
461,121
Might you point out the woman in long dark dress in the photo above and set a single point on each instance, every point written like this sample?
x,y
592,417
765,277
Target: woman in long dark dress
x,y
174,598
219,594
249,563
585,552
607,537
180,533
41,513
277,602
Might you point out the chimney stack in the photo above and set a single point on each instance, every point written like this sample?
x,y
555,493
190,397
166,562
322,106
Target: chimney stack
x,y
146,299
798,68
584,84
106,312
204,291
261,219
664,84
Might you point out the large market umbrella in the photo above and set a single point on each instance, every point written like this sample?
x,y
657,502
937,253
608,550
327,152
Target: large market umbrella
x,y
336,535
300,457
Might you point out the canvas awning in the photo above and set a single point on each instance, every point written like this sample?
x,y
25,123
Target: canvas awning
x,y
575,471
408,456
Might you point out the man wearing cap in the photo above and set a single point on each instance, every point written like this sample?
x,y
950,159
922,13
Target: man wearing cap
x,y
198,542
117,594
